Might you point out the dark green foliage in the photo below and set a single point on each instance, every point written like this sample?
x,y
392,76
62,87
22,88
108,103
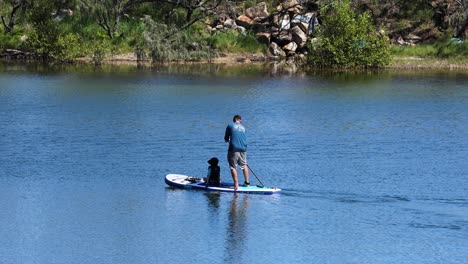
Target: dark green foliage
x,y
47,38
453,49
9,41
347,39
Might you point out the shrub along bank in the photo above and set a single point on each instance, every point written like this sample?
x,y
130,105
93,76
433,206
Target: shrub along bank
x,y
322,33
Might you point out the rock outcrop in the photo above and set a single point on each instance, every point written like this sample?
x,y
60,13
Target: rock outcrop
x,y
297,21
285,32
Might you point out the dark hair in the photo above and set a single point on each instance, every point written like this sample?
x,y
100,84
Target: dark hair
x,y
236,117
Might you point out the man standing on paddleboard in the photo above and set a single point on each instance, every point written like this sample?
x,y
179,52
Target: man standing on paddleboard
x,y
237,152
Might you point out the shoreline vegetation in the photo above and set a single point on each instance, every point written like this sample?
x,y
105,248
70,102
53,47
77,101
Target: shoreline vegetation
x,y
306,33
238,59
248,59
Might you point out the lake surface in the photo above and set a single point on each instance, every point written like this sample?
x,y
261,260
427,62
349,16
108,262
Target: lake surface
x,y
373,166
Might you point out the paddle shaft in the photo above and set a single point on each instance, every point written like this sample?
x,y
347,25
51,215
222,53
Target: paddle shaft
x,y
255,175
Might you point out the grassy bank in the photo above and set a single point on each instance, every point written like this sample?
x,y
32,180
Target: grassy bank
x,y
445,54
416,62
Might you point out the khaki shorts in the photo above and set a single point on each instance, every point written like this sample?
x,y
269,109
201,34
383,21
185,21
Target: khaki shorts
x,y
237,158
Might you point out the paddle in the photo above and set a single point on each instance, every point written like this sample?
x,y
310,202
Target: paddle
x,y
262,185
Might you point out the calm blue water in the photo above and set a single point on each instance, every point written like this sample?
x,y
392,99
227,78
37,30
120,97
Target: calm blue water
x,y
374,167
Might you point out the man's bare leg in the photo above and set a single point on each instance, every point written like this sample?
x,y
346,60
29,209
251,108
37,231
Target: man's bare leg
x,y
246,174
234,178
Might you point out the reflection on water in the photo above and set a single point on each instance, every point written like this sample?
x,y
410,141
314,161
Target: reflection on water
x,y
237,228
205,70
213,199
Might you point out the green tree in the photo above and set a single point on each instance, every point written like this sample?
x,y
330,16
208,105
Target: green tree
x,y
348,39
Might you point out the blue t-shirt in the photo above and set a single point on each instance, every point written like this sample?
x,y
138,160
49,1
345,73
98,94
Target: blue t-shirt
x,y
235,135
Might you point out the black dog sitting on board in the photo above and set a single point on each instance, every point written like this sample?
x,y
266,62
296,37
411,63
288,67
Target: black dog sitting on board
x,y
213,177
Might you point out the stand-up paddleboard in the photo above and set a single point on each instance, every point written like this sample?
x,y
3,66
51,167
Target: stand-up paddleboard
x,y
188,182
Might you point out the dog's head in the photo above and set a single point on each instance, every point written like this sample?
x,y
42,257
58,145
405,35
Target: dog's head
x,y
213,161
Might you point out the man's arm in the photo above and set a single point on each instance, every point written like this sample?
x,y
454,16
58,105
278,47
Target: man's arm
x,y
227,134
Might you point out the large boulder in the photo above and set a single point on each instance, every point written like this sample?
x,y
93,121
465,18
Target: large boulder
x,y
261,27
290,48
264,37
307,22
283,38
275,50
282,21
230,23
241,30
289,5
244,21
299,36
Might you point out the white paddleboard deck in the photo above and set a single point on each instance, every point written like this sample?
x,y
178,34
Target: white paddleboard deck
x,y
188,182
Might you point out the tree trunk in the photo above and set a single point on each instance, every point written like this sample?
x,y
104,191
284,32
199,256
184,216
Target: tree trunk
x,y
103,21
10,25
116,23
463,32
189,15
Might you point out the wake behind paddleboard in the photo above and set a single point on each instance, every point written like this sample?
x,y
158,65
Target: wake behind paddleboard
x,y
188,182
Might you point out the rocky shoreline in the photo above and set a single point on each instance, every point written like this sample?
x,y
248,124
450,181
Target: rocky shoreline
x,y
285,32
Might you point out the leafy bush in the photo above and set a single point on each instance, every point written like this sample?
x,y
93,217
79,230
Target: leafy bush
x,y
60,47
99,49
67,48
348,40
47,39
9,41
